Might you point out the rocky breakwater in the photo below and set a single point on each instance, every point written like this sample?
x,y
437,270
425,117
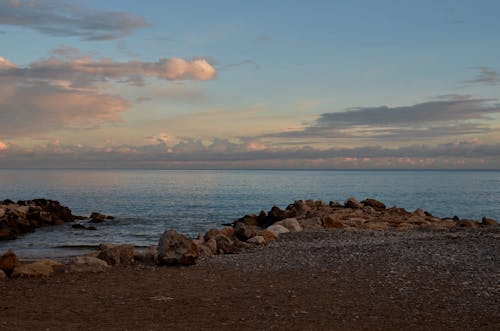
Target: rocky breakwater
x,y
26,216
249,231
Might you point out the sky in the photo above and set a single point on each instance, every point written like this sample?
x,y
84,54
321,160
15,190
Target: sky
x,y
250,84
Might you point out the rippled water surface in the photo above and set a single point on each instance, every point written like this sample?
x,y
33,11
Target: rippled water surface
x,y
146,202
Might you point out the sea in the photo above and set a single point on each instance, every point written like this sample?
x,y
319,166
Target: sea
x,y
145,203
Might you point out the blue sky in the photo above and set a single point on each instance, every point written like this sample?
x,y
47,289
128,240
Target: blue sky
x,y
263,84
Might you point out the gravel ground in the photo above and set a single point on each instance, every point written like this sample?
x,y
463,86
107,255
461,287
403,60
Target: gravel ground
x,y
327,280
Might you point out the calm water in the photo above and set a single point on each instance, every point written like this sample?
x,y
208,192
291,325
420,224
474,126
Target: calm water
x,y
146,202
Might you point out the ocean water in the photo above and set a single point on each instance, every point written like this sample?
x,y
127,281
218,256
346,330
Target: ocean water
x,y
147,202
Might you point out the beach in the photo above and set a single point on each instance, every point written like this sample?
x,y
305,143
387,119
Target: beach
x,y
315,280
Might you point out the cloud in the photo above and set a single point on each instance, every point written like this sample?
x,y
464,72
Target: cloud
x,y
162,152
454,117
68,19
263,38
65,90
485,76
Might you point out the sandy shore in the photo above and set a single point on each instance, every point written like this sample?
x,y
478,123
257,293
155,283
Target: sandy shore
x,y
321,280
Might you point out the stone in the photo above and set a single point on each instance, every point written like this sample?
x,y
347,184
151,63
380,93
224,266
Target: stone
x,y
353,203
148,256
243,231
86,264
310,224
117,255
466,224
8,262
291,224
273,216
176,249
330,222
277,229
83,227
225,245
375,204
58,267
228,231
259,240
35,269
488,221
419,212
211,234
251,220
207,248
3,276
267,235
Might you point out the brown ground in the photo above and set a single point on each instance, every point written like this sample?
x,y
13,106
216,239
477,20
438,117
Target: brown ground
x,y
375,287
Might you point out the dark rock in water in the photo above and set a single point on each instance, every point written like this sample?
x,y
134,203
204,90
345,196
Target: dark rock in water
x,y
248,219
456,218
176,249
99,218
375,204
83,227
27,215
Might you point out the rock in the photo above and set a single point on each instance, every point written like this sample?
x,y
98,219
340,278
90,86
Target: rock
x,y
330,222
148,256
207,248
211,234
176,249
35,269
267,235
488,221
87,264
117,255
100,216
83,227
58,267
259,240
8,262
375,204
3,276
419,212
225,245
251,220
243,231
353,203
277,229
310,224
228,231
466,224
291,224
7,234
273,216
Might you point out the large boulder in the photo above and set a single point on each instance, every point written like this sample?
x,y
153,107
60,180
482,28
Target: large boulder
x,y
331,222
375,204
489,221
225,245
114,255
86,264
243,231
35,269
3,276
277,229
291,224
8,262
99,218
176,249
258,240
147,256
353,203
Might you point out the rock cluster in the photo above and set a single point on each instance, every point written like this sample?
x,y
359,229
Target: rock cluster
x,y
26,216
247,232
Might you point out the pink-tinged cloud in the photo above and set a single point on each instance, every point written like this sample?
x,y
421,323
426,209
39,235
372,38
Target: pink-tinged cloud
x,y
3,146
64,92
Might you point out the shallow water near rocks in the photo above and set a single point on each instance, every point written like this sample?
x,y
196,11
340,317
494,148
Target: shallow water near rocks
x,y
147,202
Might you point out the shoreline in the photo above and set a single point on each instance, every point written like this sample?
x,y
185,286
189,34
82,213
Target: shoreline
x,y
322,280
